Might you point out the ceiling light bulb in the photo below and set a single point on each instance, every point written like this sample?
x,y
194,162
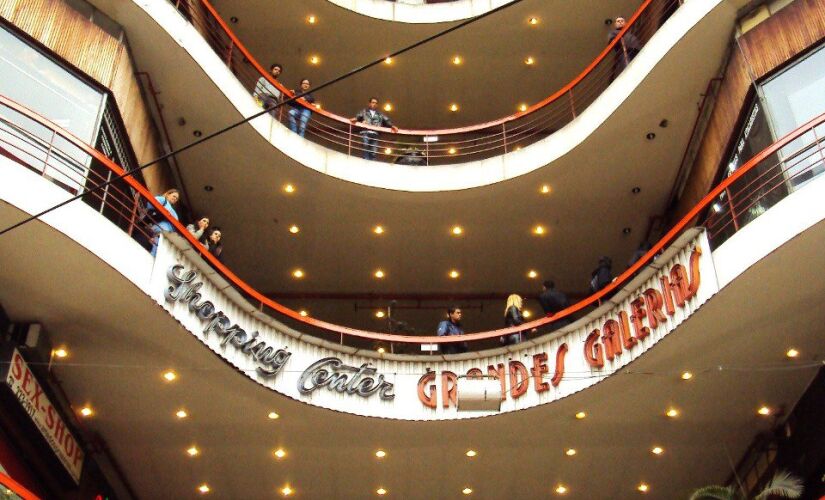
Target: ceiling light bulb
x,y
522,107
289,188
452,151
644,488
457,60
570,452
454,274
532,274
467,491
204,489
792,353
580,415
317,105
381,350
687,376
193,451
303,313
286,491
387,107
388,151
314,60
298,273
764,411
380,453
378,230
471,453
539,230
279,453
181,414
381,491
529,61
273,416
545,189
657,450
311,19
380,314
87,411
672,412
533,21
294,229
388,61
170,376
61,352
527,313
561,489
454,107
457,230
379,274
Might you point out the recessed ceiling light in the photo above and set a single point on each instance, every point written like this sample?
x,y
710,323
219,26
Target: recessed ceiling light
x,y
314,60
381,350
544,189
471,453
527,313
636,190
193,451
539,230
170,376
650,136
580,415
61,352
532,274
298,273
317,105
453,107
208,188
380,453
378,230
533,21
467,491
289,188
388,151
312,19
87,411
233,19
529,60
380,314
522,107
561,489
279,453
379,273
626,230
273,416
287,490
570,452
381,491
672,412
388,107
197,133
303,313
181,413
452,151
294,229
657,450
454,274
204,489
457,60
388,61
764,411
792,353
687,376
644,488
457,230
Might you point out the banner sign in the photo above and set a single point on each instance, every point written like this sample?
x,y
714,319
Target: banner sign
x,y
45,416
426,387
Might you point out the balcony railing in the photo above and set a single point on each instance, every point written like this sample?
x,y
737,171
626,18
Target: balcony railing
x,y
46,148
440,146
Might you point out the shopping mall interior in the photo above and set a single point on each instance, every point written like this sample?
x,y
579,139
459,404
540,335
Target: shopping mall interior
x,y
412,249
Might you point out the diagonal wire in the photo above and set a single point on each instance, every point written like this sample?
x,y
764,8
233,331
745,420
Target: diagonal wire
x,y
265,110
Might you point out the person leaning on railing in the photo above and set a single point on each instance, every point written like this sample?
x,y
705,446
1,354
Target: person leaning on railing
x,y
513,317
626,48
157,223
452,326
213,242
267,94
552,301
199,227
372,116
299,115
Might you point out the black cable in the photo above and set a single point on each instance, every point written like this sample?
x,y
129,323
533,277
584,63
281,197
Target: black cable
x,y
263,111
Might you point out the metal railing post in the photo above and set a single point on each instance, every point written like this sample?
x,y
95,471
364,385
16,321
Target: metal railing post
x,y
504,136
732,212
572,103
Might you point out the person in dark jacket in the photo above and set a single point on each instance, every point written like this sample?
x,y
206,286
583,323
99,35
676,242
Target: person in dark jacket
x,y
602,275
213,242
372,116
626,48
513,317
552,301
452,326
299,115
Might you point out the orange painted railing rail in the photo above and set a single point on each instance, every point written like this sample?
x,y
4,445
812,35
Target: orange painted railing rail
x,y
17,488
620,281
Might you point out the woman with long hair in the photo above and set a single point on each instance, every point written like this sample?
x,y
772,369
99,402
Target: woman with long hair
x,y
214,243
158,224
513,317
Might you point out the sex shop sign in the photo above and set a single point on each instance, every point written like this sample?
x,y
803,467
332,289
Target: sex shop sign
x,y
426,387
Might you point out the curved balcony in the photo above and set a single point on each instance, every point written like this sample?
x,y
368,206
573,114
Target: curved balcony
x,y
419,11
640,308
481,154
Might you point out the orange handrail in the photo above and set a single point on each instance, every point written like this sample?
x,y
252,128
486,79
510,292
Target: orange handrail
x,y
17,488
342,330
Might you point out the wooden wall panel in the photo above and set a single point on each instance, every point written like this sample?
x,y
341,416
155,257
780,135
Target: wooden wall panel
x,y
767,46
101,56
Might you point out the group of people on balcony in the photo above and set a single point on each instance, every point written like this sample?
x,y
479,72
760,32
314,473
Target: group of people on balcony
x,y
209,237
269,96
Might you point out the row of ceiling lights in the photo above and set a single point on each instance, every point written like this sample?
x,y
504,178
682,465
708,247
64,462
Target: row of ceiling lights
x,y
193,451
